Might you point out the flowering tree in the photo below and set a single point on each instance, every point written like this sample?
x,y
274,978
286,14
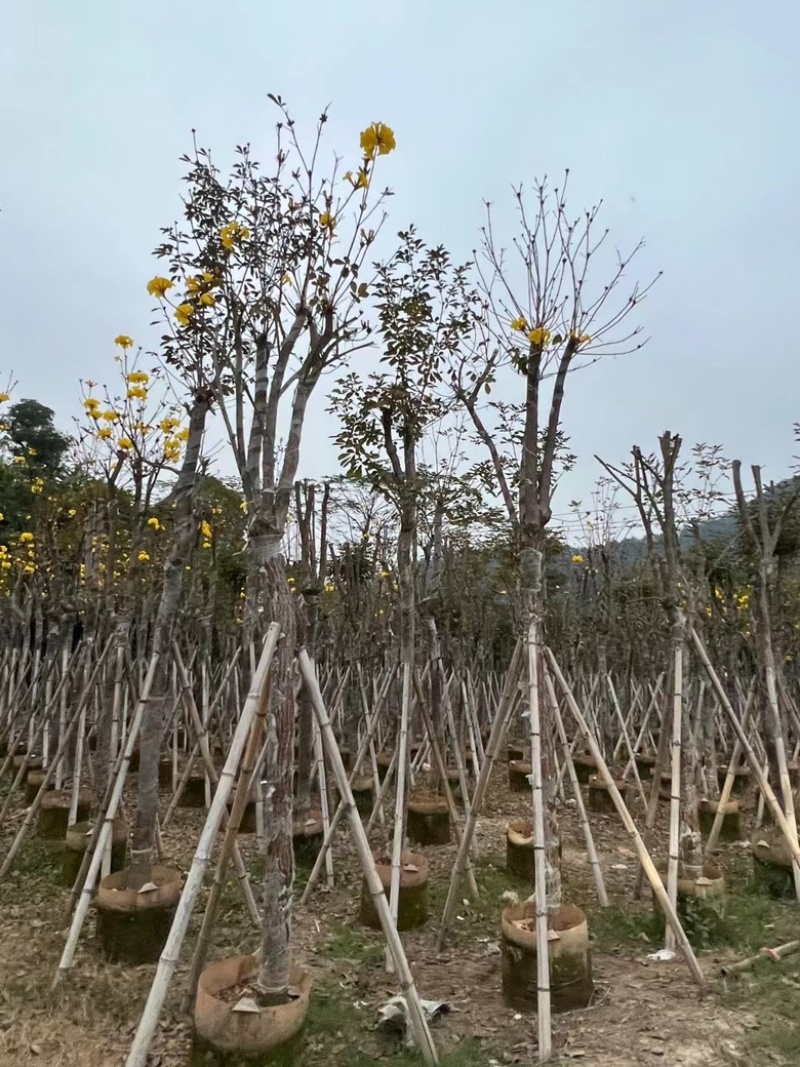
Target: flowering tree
x,y
264,292
546,316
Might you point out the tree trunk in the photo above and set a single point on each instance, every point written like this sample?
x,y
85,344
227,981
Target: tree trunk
x,y
144,829
277,601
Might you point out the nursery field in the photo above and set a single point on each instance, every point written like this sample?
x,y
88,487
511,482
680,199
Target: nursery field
x,y
642,1012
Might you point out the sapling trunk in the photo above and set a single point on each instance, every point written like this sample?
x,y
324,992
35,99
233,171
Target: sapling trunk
x,y
144,830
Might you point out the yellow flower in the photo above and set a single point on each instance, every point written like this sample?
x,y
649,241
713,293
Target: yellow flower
x,y
37,485
25,538
158,286
137,393
519,324
377,140
2,516
231,234
208,300
384,574
109,416
243,506
90,403
581,338
143,557
19,459
4,397
154,523
29,568
168,424
194,285
184,312
359,180
72,513
539,335
5,565
205,530
125,443
206,544
138,377
209,278
327,221
32,452
123,341
577,559
104,432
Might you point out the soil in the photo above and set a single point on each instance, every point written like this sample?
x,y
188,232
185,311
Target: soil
x,y
643,1012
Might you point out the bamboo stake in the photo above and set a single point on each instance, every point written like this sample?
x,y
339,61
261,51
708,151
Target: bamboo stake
x,y
419,1025
591,851
543,1018
497,736
776,954
760,777
442,771
99,841
727,787
137,1057
399,805
240,799
644,857
675,787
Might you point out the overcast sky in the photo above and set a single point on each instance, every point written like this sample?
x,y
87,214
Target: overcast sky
x,y
680,116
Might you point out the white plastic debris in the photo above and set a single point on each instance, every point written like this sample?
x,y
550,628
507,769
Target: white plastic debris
x,y
393,1016
664,955
247,1005
148,887
510,897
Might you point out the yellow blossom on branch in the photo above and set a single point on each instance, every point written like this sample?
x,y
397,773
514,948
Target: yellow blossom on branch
x,y
159,286
581,338
577,559
377,140
208,300
154,523
125,443
359,180
4,397
539,335
205,530
231,234
138,377
104,432
137,393
327,221
110,416
25,538
183,313
143,557
123,341
520,324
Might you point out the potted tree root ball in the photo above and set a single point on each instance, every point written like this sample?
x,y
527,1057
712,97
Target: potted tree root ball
x,y
599,796
308,833
518,771
235,1025
54,813
519,849
772,864
78,840
412,908
571,984
731,829
428,821
133,923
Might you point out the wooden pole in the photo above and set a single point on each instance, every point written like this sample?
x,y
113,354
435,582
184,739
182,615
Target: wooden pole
x,y
419,1025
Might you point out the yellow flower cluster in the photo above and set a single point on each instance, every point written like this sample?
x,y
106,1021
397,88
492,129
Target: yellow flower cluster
x,y
123,341
377,140
4,397
159,287
232,234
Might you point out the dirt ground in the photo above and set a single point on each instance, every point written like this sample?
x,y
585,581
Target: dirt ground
x,y
643,1012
